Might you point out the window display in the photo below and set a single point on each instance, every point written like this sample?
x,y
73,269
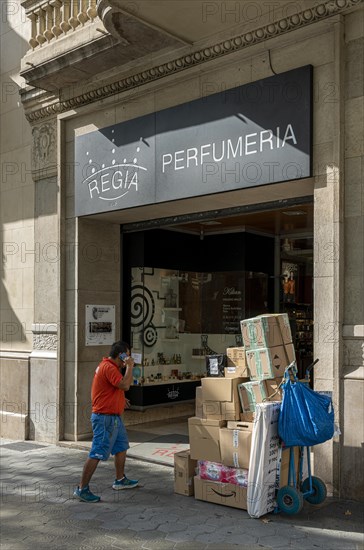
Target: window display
x,y
177,318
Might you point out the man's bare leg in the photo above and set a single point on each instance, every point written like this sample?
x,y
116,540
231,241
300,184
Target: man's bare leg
x,y
88,471
119,460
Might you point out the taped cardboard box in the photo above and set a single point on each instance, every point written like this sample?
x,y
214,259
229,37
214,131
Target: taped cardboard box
x,y
204,427
236,372
259,391
235,446
236,355
204,437
240,424
251,393
236,363
221,410
226,494
220,389
184,472
284,326
261,332
268,362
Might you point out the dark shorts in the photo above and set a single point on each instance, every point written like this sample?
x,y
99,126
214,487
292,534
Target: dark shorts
x,y
109,436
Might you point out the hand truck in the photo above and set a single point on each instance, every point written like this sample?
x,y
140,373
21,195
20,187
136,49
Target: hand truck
x,y
290,498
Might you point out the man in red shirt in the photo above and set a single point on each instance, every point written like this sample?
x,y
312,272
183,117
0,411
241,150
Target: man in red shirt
x,y
109,433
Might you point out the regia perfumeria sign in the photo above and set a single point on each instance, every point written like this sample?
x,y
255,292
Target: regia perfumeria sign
x,y
256,134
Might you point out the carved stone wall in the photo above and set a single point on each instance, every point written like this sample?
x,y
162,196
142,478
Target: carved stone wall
x,y
45,337
44,149
221,49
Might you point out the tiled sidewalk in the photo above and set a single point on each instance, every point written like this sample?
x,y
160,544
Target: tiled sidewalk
x,y
38,511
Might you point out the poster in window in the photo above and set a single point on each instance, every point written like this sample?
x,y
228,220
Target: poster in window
x,y
289,282
100,325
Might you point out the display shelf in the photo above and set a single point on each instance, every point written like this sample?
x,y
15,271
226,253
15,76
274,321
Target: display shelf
x,y
164,382
164,365
154,394
301,322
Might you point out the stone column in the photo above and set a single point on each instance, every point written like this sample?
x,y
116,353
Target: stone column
x,y
329,253
44,377
352,371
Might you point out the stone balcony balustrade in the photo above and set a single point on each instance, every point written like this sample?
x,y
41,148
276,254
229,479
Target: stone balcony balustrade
x,y
53,18
72,40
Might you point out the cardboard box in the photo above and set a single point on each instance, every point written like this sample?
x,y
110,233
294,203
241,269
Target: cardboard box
x,y
273,389
236,363
251,393
236,355
220,389
184,472
221,410
226,494
290,352
283,466
203,428
261,332
284,326
205,449
235,446
247,416
239,424
237,372
198,402
267,362
215,365
204,438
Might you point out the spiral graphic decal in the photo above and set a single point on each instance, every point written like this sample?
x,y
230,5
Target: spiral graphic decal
x,y
142,306
150,336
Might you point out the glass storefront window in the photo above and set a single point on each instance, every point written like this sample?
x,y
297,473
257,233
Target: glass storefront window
x,y
179,317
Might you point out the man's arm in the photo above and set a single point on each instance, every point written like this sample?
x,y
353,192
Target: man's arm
x,y
125,383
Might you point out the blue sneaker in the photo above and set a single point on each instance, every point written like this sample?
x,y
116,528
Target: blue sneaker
x,y
85,495
124,483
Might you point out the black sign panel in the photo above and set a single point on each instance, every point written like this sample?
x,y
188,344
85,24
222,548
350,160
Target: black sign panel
x,y
255,134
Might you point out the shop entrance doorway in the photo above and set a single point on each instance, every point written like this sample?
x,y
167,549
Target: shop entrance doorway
x,y
187,285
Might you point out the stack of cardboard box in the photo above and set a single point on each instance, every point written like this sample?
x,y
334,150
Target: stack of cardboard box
x,y
269,350
221,432
219,441
215,444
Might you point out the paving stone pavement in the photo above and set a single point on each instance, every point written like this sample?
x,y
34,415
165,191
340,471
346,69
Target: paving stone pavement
x,y
38,511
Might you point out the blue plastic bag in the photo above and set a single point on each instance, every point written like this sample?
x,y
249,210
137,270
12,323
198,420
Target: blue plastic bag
x,y
306,417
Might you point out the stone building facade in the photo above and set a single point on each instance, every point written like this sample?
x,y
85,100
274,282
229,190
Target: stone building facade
x,y
74,67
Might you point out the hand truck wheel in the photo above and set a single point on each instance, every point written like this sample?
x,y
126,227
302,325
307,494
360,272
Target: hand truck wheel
x,y
289,500
318,487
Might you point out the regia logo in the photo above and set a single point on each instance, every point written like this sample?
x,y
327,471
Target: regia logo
x,y
112,182
172,394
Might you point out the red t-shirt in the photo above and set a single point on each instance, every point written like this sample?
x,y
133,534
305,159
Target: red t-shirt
x,y
106,397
